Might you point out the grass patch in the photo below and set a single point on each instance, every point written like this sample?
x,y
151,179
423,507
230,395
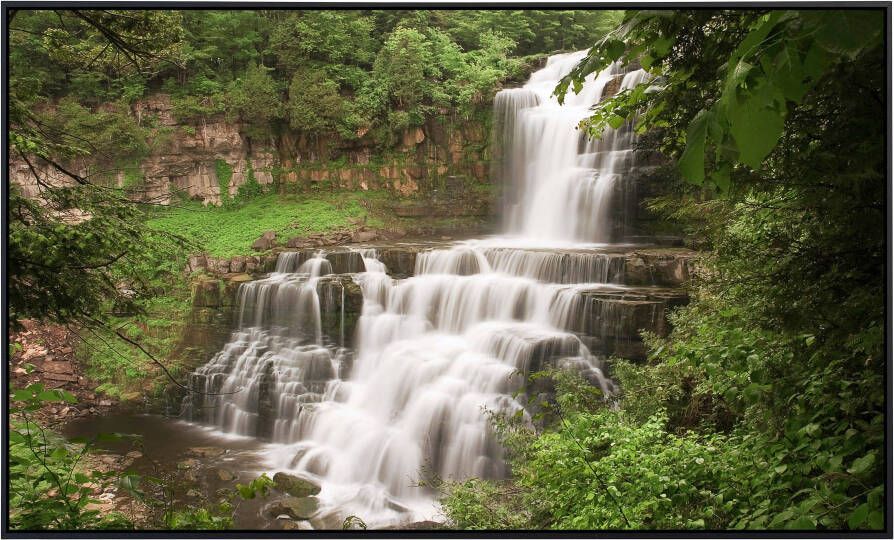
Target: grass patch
x,y
225,232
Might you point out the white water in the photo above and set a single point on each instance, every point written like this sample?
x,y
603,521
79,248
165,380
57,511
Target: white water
x,y
559,184
434,351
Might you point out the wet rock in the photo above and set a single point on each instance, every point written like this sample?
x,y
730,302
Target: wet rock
x,y
206,451
294,507
234,281
400,261
294,485
206,293
668,267
194,493
345,262
265,241
299,242
189,463
266,402
225,475
268,263
252,264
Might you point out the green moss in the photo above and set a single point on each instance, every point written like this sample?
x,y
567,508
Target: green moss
x,y
133,176
224,173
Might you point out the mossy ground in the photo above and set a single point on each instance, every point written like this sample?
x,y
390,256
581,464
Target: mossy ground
x,y
228,231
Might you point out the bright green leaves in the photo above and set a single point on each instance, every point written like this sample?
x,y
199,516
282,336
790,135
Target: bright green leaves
x,y
259,486
781,57
756,121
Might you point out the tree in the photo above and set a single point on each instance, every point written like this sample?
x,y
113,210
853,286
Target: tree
x,y
315,106
256,99
78,246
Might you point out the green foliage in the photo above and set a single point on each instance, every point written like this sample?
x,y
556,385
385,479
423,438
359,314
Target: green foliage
x,y
256,100
315,105
766,63
230,231
767,397
224,173
47,487
67,269
259,486
251,188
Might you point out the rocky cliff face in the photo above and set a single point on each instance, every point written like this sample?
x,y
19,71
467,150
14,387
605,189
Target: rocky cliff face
x,y
439,169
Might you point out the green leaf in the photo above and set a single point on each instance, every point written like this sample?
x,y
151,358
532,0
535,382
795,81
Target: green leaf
x,y
860,465
22,395
780,468
615,121
692,162
858,517
876,520
755,126
802,523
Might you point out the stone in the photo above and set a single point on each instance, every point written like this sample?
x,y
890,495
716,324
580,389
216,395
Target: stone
x,y
237,264
345,262
299,242
225,475
294,485
364,236
218,265
206,293
197,263
190,463
265,241
294,507
206,451
57,367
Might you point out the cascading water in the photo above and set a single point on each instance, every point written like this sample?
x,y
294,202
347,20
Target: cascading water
x,y
558,183
434,351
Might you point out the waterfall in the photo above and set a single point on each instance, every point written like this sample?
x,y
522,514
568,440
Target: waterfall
x,y
433,352
559,185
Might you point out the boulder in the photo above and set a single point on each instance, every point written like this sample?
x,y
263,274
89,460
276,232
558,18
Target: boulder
x,y
225,475
265,241
294,485
294,507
